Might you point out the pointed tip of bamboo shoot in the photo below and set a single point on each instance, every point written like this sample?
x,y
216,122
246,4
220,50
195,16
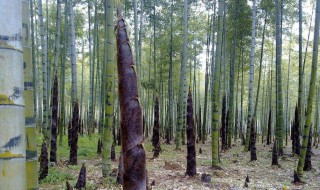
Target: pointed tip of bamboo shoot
x,y
119,12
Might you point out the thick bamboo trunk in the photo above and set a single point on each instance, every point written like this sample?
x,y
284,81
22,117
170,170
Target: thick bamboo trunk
x,y
109,61
12,117
30,120
311,91
215,100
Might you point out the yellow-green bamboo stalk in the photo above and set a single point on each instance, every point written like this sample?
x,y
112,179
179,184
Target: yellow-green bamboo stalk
x,y
216,114
30,122
12,130
109,61
311,91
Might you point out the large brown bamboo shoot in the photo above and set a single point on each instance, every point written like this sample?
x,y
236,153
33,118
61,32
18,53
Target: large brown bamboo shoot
x,y
134,156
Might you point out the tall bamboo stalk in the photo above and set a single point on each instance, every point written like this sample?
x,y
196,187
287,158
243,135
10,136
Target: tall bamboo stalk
x,y
216,90
183,80
62,114
30,120
251,75
45,125
109,48
311,91
279,97
12,107
74,97
91,63
230,114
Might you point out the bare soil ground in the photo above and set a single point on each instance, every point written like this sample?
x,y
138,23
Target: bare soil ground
x,y
168,171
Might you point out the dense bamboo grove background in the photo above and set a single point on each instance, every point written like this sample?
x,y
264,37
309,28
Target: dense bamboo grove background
x,y
250,67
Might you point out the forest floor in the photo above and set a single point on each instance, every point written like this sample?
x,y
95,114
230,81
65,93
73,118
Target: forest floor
x,y
168,171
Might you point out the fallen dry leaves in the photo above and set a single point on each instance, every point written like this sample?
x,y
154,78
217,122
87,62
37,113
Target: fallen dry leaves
x,y
167,172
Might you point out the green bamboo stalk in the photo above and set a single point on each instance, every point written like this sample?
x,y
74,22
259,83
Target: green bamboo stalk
x,y
216,89
30,120
287,120
204,125
300,89
311,91
232,73
242,93
280,118
170,124
107,125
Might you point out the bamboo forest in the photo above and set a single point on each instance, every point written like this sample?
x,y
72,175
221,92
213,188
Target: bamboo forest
x,y
159,94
